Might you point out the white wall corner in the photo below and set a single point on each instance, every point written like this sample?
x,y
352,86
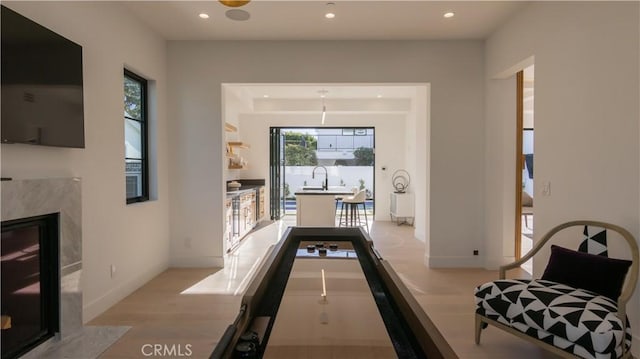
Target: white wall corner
x,y
197,262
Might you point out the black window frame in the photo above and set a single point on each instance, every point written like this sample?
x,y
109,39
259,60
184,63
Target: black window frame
x,y
144,133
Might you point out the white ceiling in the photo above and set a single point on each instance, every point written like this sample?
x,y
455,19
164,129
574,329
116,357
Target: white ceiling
x,y
333,91
304,19
339,98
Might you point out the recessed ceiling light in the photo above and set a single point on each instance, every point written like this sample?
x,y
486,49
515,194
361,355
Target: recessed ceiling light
x,y
265,96
449,14
204,16
330,14
379,96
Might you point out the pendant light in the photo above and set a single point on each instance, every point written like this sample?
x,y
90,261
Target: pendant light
x,y
323,94
234,3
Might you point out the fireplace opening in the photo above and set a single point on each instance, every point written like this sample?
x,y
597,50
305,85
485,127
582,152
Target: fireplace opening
x,y
30,285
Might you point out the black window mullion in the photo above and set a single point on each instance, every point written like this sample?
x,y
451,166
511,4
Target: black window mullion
x,y
143,160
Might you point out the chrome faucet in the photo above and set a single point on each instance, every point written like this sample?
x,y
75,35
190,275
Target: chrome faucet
x,y
325,184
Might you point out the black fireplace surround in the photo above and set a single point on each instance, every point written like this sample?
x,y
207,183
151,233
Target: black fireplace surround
x,y
30,284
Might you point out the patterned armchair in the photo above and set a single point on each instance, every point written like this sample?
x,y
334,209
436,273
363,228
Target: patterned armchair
x,y
577,308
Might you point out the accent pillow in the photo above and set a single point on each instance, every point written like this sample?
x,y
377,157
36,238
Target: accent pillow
x,y
599,274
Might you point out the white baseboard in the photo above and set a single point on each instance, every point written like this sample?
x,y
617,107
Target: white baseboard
x,y
106,301
454,262
197,262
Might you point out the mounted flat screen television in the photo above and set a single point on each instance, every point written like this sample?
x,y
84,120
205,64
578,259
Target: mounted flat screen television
x,y
42,101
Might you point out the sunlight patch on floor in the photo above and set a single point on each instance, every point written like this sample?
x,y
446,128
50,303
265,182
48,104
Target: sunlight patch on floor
x,y
241,264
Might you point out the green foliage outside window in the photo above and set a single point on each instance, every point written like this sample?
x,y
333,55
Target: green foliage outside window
x,y
296,155
300,149
364,156
301,139
132,98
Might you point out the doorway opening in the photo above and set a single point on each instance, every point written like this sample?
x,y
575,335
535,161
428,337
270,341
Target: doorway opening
x,y
344,157
399,112
525,165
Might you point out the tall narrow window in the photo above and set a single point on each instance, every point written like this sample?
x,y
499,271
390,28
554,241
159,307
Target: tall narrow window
x,y
135,137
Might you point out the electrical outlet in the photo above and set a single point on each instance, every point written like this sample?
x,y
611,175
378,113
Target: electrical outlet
x,y
113,271
475,252
546,188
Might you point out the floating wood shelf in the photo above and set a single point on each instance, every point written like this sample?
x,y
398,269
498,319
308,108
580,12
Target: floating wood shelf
x,y
230,128
232,145
238,144
236,167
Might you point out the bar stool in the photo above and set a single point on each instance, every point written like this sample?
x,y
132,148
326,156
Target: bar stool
x,y
350,204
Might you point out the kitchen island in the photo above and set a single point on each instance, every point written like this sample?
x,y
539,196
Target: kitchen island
x,y
317,207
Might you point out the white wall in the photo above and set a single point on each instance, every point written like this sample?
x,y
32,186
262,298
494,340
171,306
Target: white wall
x,y
390,137
233,105
422,180
587,118
454,70
134,238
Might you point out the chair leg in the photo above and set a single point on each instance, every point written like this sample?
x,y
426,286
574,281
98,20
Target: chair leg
x,y
478,328
352,214
366,220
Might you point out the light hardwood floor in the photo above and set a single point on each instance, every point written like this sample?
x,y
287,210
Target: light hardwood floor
x,y
191,308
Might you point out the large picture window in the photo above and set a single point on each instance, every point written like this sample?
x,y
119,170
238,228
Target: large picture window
x,y
135,137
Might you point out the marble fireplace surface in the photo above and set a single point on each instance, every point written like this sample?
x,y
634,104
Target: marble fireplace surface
x,y
25,198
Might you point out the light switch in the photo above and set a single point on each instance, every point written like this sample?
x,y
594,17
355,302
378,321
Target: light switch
x,y
546,188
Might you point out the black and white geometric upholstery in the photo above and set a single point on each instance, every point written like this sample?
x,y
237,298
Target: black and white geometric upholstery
x,y
578,321
596,244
